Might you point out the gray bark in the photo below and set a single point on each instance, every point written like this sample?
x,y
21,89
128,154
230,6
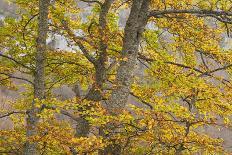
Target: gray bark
x,y
39,77
132,36
133,31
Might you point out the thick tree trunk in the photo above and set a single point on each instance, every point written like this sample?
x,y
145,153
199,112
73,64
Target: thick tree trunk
x,y
133,32
39,77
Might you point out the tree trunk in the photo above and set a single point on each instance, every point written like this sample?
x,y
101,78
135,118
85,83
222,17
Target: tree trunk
x,y
95,93
82,128
133,32
39,77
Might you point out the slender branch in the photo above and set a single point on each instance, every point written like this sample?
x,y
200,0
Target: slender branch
x,y
66,113
203,61
92,1
24,28
16,61
59,80
61,62
62,111
169,62
222,16
144,102
216,70
184,66
190,11
111,66
221,68
78,42
11,113
85,52
15,77
207,73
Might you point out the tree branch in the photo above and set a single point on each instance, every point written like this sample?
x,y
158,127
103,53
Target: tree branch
x,y
63,112
16,61
222,16
144,102
78,42
11,113
92,1
169,62
15,77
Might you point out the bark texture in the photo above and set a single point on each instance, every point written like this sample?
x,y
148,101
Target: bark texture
x,y
132,35
39,77
133,32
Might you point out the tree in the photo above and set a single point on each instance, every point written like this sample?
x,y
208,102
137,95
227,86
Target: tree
x,y
39,76
176,46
